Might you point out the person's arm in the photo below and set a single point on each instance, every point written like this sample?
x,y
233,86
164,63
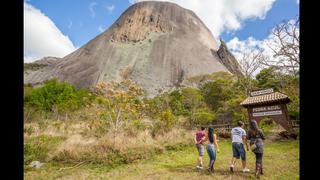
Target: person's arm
x,y
203,139
195,139
244,139
215,142
262,135
249,136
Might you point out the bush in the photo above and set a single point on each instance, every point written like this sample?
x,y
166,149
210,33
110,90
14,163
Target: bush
x,y
158,128
27,91
168,118
55,95
37,148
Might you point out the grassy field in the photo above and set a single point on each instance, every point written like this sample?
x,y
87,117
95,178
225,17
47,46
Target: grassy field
x,y
281,161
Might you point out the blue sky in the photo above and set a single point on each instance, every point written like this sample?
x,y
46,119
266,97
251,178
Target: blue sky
x,y
82,20
260,29
74,18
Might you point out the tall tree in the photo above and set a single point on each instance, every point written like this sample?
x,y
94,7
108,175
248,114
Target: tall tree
x,y
250,62
285,47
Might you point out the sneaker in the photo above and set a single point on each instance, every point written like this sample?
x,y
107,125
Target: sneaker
x,y
199,167
231,168
245,170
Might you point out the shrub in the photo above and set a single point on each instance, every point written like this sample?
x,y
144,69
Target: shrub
x,y
37,148
168,118
56,95
157,128
122,103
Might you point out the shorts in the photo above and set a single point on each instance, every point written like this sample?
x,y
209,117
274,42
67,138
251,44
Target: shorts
x,y
200,148
238,151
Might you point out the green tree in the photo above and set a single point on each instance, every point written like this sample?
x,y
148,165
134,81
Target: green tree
x,y
58,97
268,78
123,104
204,117
192,100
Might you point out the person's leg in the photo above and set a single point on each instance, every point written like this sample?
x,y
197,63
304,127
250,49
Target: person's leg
x,y
243,158
210,153
244,164
256,154
200,148
198,158
235,156
200,161
201,155
214,156
258,164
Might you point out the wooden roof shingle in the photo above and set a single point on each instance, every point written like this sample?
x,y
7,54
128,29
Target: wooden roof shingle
x,y
266,98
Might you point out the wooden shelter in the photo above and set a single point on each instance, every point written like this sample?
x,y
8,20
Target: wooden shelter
x,y
267,103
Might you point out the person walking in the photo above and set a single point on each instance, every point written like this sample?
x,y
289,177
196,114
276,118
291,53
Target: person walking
x,y
199,140
212,148
238,139
256,137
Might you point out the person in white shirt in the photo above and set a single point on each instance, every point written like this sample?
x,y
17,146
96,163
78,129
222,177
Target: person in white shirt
x,y
238,139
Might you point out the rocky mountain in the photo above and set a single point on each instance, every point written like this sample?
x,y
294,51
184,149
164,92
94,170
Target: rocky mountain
x,y
159,45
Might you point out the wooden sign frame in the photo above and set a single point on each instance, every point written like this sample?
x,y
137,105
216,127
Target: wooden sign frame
x,y
275,110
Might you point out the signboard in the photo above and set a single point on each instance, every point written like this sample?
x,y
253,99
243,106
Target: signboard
x,y
266,111
276,110
266,108
261,92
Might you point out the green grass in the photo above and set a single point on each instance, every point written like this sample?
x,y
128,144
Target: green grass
x,y
281,161
37,148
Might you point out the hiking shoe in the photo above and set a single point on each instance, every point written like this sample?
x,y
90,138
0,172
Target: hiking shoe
x,y
231,168
245,170
210,171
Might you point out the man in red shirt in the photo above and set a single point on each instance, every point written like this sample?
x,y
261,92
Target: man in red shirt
x,y
198,139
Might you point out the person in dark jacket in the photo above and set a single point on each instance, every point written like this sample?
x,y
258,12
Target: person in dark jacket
x,y
256,137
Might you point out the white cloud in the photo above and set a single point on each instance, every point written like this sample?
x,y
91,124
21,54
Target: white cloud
x,y
42,37
110,8
249,45
224,15
101,29
244,50
91,6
